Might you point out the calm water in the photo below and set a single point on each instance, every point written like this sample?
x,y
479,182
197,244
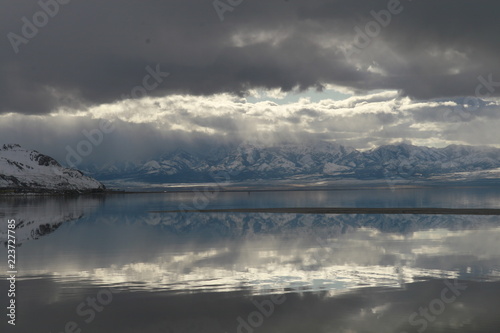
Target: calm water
x,y
240,272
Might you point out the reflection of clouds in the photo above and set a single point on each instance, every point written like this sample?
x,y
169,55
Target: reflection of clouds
x,y
223,252
260,279
266,264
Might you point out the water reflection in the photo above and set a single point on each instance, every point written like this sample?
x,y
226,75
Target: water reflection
x,y
367,310
201,272
263,253
37,216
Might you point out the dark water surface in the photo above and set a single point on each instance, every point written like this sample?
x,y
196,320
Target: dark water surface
x,y
107,264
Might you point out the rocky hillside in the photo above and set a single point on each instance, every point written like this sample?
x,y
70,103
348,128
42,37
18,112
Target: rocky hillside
x,y
24,170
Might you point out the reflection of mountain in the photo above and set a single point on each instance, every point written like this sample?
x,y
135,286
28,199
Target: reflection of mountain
x,y
43,219
40,216
242,224
36,229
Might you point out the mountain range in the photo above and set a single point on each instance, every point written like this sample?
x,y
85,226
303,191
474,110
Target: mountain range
x,y
287,164
305,163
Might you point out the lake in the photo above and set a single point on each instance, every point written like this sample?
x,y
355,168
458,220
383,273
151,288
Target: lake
x,y
113,263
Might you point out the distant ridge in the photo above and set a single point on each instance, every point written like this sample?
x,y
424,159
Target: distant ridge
x,y
400,163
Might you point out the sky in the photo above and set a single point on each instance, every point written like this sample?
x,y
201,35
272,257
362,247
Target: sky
x,y
193,74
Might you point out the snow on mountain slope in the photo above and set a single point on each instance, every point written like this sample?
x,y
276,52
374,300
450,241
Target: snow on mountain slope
x,y
324,160
320,161
28,170
409,161
243,162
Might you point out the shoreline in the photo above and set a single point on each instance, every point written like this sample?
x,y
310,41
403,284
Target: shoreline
x,y
9,192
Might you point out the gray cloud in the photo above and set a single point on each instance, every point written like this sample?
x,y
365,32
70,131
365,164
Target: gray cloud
x,y
93,52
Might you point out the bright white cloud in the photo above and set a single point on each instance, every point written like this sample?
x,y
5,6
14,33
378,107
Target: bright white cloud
x,y
176,121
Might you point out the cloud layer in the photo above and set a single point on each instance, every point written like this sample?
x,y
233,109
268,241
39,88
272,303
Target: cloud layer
x,y
149,127
93,52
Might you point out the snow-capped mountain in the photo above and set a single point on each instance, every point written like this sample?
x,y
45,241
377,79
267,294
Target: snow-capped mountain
x,y
243,162
29,171
322,161
413,162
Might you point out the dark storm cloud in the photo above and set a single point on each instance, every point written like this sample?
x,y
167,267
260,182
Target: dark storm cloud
x,y
93,52
56,136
